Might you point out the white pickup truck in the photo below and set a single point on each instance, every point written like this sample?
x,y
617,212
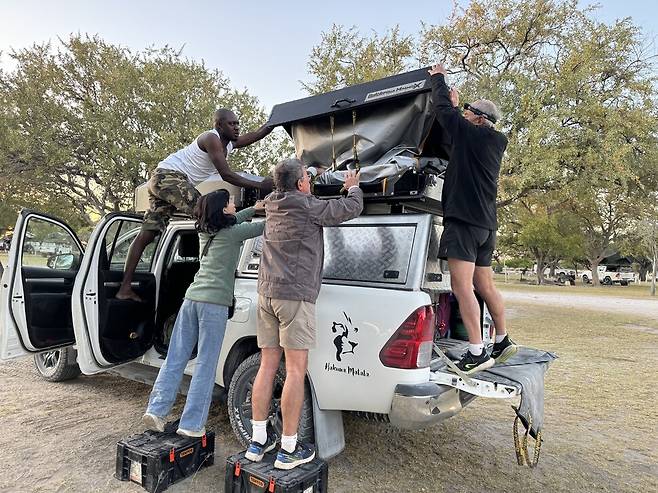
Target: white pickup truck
x,y
610,274
377,313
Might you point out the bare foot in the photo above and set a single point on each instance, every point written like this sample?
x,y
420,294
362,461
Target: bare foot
x,y
128,294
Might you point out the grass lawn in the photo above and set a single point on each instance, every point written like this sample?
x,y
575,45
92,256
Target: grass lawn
x,y
31,260
635,290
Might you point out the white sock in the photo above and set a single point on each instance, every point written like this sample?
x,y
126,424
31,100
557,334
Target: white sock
x,y
259,431
289,443
499,338
476,349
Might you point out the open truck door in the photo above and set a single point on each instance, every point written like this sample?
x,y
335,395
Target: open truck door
x,y
37,286
110,331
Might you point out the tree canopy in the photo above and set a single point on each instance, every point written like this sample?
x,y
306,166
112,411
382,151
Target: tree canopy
x,y
578,98
82,123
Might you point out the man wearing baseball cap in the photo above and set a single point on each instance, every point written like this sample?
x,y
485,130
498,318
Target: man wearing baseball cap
x,y
469,215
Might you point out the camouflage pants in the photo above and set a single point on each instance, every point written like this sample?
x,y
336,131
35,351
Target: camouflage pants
x,y
169,192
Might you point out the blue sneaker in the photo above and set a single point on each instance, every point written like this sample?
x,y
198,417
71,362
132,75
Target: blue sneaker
x,y
256,451
288,460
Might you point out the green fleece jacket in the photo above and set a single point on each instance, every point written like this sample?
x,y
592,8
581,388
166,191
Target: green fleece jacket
x,y
215,280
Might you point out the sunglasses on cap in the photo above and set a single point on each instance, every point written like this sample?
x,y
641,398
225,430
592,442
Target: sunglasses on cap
x,y
479,112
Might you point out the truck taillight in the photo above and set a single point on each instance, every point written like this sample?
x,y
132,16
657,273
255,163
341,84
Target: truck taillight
x,y
411,345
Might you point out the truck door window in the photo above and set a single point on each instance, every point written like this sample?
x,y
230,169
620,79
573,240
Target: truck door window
x,y
118,239
49,245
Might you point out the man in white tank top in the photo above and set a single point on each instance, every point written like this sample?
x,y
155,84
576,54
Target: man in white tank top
x,y
172,184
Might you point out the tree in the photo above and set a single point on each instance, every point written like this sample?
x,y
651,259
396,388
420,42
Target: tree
x,y
648,236
82,125
548,235
642,242
344,57
577,95
650,240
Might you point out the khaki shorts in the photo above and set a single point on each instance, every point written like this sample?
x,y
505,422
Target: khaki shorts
x,y
285,323
169,191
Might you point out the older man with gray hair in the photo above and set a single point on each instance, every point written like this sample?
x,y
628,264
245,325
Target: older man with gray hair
x,y
289,280
469,216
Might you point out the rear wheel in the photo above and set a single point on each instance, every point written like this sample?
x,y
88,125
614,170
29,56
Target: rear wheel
x,y
585,279
239,402
57,365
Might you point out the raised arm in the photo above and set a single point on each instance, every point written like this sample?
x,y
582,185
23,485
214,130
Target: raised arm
x,y
446,102
251,137
244,215
335,211
249,212
244,231
213,146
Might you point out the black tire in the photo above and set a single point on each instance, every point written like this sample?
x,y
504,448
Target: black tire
x,y
239,403
561,278
624,283
607,281
585,280
57,365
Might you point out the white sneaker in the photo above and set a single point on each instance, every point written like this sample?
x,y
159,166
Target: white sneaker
x,y
153,422
190,433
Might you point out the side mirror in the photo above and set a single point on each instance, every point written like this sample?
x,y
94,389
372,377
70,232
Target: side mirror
x,y
62,261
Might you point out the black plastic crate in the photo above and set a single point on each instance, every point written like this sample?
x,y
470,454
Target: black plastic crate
x,y
157,460
244,476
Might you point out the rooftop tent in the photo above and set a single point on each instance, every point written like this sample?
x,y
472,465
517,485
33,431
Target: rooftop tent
x,y
377,116
386,128
617,259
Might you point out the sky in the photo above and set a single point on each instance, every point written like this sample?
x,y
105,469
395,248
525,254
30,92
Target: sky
x,y
260,45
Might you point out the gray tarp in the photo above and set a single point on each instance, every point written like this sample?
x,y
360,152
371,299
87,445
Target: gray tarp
x,y
402,124
393,164
526,370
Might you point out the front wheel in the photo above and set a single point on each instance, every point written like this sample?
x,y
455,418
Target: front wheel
x,y
239,402
607,280
57,365
585,280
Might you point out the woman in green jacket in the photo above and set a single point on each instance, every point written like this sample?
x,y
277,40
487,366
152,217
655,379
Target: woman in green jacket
x,y
203,315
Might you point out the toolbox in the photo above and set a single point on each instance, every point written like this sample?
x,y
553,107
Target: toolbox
x,y
244,476
157,460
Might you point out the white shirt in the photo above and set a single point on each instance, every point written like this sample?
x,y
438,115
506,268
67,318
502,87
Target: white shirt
x,y
193,162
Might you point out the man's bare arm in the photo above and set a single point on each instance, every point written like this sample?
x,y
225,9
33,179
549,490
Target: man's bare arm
x,y
251,137
213,146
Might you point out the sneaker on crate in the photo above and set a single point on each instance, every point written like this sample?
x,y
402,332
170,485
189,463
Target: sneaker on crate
x,y
153,422
504,350
191,433
256,451
288,460
471,363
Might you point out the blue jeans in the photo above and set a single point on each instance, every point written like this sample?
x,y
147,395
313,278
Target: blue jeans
x,y
196,321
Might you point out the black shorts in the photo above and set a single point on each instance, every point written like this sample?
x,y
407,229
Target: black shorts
x,y
463,241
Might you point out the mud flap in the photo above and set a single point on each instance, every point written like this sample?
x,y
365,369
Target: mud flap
x,y
328,427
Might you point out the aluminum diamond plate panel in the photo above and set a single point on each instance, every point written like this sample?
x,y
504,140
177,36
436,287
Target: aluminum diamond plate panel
x,y
368,253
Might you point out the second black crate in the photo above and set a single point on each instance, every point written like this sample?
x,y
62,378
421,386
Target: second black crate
x,y
244,476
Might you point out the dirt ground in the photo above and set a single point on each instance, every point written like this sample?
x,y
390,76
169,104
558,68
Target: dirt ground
x,y
600,426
